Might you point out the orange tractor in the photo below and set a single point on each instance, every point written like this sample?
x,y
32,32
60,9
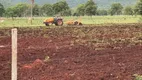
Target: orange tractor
x,y
58,21
54,20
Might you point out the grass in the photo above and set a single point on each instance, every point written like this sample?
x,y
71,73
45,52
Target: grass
x,y
38,21
21,22
138,77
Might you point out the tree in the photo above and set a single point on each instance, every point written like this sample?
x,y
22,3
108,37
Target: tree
x,y
1,10
116,9
60,6
66,12
102,12
9,12
138,7
20,9
80,10
36,10
128,10
90,8
17,10
47,10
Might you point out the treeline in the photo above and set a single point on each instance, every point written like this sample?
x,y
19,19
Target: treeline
x,y
61,8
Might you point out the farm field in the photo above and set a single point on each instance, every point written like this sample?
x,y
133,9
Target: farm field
x,y
90,52
38,21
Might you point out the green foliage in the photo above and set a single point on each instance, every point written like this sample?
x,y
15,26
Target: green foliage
x,y
102,12
16,11
10,12
138,7
116,9
66,12
47,10
90,8
140,20
128,10
80,10
103,4
20,9
2,10
60,7
137,77
36,10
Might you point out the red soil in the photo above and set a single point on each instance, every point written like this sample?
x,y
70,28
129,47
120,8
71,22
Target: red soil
x,y
72,57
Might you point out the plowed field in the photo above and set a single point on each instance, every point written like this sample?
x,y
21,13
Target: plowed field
x,y
91,52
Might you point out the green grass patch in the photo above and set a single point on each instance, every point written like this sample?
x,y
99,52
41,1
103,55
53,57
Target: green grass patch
x,y
38,21
138,77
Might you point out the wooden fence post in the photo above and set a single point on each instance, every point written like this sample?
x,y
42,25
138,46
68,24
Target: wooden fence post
x,y
14,54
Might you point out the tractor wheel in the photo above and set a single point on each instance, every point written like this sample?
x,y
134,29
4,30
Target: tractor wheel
x,y
59,22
